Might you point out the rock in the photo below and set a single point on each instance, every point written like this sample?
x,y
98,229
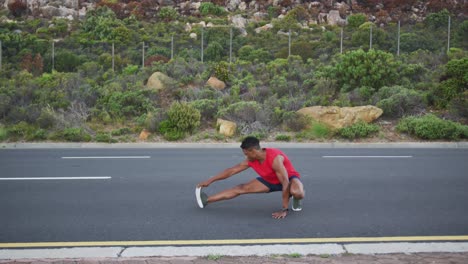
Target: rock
x,y
215,83
232,5
158,81
264,28
226,127
337,117
238,21
193,35
334,18
242,6
144,134
188,27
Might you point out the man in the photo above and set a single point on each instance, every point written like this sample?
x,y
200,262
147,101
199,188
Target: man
x,y
276,174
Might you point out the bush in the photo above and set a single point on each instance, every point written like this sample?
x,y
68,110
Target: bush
x,y
47,118
358,68
295,122
315,131
104,137
431,127
39,134
3,133
358,130
121,131
183,117
208,8
397,101
76,135
240,112
354,21
20,130
207,108
283,137
168,13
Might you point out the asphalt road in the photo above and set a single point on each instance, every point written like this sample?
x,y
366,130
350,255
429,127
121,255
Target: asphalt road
x,y
148,194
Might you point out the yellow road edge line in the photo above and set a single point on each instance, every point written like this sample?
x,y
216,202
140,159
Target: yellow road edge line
x,y
234,241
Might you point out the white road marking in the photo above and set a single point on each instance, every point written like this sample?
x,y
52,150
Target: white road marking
x,y
55,178
109,157
367,157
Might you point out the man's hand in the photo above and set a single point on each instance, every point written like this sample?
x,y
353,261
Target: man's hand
x,y
204,184
280,214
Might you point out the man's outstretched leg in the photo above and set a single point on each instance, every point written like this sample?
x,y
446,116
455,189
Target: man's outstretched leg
x,y
254,186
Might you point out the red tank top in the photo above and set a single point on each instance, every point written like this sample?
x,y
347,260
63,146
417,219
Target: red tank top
x,y
265,169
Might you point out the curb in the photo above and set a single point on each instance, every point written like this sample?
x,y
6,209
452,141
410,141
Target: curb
x,y
451,145
236,250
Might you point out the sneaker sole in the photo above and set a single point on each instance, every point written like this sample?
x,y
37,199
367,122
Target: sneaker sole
x,y
198,196
296,209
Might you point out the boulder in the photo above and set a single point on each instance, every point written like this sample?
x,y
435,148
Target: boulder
x,y
226,127
339,117
158,81
334,18
215,83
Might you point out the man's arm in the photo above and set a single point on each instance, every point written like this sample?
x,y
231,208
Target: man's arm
x,y
226,173
282,175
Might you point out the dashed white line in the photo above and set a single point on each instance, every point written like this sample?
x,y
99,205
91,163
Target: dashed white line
x,y
55,178
367,157
109,157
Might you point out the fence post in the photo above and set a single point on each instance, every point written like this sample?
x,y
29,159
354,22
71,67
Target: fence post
x,y
0,55
113,60
448,36
53,55
289,43
370,38
230,45
172,47
143,55
398,42
202,45
341,42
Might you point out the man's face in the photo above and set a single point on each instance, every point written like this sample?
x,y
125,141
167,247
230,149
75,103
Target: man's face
x,y
250,153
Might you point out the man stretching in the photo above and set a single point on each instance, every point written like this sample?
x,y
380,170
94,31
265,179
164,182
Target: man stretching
x,y
276,174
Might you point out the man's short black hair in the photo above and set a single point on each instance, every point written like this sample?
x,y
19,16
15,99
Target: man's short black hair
x,y
250,142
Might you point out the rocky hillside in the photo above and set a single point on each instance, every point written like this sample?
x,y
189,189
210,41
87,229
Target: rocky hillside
x,y
317,12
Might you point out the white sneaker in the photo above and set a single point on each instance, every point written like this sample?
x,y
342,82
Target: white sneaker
x,y
202,198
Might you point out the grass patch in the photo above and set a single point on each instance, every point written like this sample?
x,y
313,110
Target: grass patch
x,y
315,131
214,257
3,134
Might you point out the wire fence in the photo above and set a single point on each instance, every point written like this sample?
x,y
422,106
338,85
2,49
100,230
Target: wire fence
x,y
224,43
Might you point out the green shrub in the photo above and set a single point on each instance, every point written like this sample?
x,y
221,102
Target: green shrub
x,y
104,137
354,21
397,101
3,133
38,134
358,130
121,131
183,117
20,130
283,137
207,108
316,130
174,135
208,8
168,13
296,122
431,127
46,119
76,135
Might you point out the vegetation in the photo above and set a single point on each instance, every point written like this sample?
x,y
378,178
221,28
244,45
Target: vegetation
x,y
94,88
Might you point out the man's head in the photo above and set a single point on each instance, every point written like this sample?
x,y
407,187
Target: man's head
x,y
251,148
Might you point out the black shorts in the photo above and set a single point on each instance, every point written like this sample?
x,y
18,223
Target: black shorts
x,y
275,187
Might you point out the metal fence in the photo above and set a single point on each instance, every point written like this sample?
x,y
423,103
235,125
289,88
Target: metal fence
x,y
398,40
